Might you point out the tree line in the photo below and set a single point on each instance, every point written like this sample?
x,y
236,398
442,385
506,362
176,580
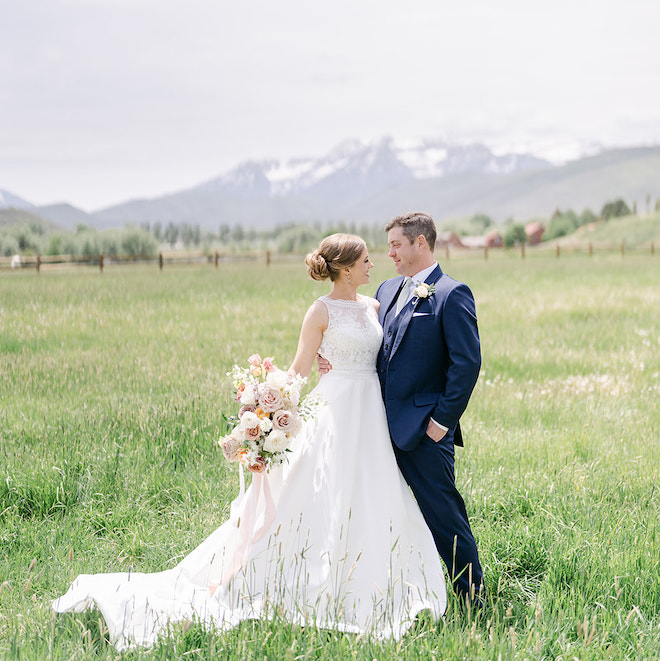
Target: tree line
x,y
27,234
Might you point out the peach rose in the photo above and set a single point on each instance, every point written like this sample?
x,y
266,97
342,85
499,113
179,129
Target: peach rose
x,y
239,392
260,413
257,466
252,433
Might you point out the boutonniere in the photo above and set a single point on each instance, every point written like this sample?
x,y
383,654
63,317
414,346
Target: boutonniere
x,y
423,290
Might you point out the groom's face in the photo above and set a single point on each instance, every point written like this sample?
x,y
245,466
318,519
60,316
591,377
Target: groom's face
x,y
407,257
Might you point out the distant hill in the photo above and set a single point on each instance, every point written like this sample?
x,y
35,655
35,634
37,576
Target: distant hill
x,y
12,216
66,216
632,231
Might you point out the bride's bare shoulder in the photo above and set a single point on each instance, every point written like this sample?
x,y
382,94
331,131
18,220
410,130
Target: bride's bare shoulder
x,y
317,314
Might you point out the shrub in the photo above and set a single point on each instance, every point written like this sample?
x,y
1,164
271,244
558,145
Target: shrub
x,y
515,234
615,209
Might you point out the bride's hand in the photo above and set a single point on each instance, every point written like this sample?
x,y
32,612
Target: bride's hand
x,y
323,364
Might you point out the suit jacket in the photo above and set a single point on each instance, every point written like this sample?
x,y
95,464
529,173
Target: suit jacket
x,y
430,358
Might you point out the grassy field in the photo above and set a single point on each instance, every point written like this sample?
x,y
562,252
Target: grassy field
x,y
112,389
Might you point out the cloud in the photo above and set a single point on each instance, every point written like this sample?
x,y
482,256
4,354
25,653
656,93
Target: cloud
x,y
150,94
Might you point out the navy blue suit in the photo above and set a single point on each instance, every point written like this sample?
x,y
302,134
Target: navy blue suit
x,y
428,366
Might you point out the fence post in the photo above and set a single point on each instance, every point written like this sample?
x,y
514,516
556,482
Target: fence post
x,y
267,257
216,259
101,262
652,249
485,253
591,249
558,251
160,261
522,251
623,248
38,262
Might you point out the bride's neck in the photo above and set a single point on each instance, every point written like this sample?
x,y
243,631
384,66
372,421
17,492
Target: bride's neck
x,y
342,290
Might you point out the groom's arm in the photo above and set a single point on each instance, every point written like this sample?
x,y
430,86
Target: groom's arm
x,y
461,334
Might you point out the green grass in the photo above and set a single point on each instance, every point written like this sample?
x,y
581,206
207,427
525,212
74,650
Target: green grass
x,y
113,388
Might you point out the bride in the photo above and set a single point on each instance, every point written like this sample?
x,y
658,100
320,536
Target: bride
x,y
347,548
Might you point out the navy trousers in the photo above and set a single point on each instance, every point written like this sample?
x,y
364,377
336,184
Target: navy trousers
x,y
429,470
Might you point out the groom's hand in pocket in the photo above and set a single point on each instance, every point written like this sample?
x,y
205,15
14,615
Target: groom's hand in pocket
x,y
435,432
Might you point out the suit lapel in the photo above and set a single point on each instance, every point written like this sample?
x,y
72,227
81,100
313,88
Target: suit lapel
x,y
406,314
389,300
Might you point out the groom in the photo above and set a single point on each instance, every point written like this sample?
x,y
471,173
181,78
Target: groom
x,y
428,365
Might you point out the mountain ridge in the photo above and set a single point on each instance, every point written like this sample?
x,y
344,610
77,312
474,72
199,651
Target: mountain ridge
x,y
369,182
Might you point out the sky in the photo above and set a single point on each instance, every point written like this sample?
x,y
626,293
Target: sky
x,y
102,101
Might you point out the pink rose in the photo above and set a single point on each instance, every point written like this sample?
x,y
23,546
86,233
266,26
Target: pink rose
x,y
270,400
255,360
285,421
258,466
268,364
247,407
230,448
251,433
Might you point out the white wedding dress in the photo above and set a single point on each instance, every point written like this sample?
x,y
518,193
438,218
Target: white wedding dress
x,y
332,539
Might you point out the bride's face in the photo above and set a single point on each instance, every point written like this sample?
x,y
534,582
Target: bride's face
x,y
360,270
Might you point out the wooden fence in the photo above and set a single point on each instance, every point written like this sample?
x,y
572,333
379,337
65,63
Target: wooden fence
x,y
558,249
101,261
173,258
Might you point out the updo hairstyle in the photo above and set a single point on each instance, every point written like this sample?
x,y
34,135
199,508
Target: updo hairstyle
x,y
335,252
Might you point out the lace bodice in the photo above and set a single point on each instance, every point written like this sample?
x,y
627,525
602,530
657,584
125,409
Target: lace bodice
x,y
354,335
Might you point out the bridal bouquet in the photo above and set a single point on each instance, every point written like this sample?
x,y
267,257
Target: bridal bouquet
x,y
269,416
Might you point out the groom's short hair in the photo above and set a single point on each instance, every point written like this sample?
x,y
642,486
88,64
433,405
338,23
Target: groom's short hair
x,y
413,224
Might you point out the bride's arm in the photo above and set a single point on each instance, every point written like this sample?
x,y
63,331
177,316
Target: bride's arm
x,y
311,334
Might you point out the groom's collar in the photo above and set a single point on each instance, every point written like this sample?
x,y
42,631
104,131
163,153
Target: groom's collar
x,y
424,273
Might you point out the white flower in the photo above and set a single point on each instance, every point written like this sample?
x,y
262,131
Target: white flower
x,y
292,395
277,379
247,397
251,455
423,290
276,441
250,420
266,425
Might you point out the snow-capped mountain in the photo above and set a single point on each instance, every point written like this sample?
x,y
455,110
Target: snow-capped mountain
x,y
356,167
368,182
8,200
